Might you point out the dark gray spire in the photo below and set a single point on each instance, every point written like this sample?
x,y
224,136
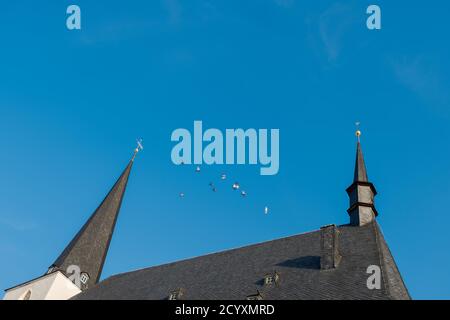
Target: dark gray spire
x,y
361,192
360,166
89,247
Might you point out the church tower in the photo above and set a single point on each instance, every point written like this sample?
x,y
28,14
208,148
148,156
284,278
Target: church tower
x,y
361,192
80,264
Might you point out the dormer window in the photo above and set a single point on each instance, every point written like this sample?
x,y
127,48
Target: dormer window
x,y
271,278
175,295
254,297
84,277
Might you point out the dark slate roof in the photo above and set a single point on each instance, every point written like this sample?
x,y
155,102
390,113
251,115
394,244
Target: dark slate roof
x,y
238,273
89,247
360,167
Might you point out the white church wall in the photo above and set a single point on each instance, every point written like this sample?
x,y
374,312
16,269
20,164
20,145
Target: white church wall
x,y
53,286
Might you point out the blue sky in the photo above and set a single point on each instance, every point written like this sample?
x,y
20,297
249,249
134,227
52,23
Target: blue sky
x,y
73,102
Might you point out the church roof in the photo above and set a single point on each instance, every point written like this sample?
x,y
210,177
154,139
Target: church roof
x,y
330,263
89,247
239,273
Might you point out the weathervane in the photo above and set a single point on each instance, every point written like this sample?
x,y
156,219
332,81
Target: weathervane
x,y
139,147
358,132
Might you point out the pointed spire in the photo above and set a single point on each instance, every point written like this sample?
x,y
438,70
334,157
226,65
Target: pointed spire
x,y
360,167
87,250
361,192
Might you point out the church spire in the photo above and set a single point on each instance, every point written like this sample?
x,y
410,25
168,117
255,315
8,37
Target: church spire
x,y
360,167
361,192
85,254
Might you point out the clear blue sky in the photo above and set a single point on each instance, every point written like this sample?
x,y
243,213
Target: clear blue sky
x,y
73,102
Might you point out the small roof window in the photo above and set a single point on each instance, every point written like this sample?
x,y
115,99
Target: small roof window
x,y
271,278
84,277
176,294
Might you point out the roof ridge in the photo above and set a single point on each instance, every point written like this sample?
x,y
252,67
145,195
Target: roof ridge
x,y
383,263
381,260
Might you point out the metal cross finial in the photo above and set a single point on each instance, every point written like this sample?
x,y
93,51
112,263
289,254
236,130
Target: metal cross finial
x,y
358,132
139,147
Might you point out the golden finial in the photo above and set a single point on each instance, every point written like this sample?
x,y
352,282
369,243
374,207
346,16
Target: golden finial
x,y
358,132
139,147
